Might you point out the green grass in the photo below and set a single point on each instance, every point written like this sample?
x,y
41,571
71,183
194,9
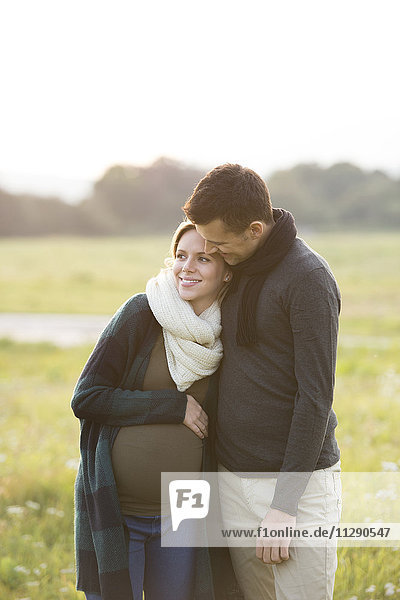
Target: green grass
x,y
81,275
39,434
39,448
38,453
76,275
367,268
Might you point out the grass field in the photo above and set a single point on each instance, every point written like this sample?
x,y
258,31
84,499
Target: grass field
x,y
81,275
39,434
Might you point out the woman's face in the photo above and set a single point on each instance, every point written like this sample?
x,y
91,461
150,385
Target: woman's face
x,y
199,276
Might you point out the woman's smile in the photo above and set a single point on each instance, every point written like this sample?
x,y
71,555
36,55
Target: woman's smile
x,y
188,281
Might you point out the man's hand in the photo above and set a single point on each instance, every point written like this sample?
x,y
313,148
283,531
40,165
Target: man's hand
x,y
273,550
195,418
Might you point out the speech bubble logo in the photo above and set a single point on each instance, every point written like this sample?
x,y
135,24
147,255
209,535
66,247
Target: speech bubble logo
x,y
189,499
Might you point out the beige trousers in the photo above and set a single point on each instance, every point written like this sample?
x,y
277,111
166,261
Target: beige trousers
x,y
309,574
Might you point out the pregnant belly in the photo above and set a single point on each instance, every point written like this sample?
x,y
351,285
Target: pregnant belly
x,y
141,453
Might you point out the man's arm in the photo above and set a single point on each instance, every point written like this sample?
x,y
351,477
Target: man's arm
x,y
313,308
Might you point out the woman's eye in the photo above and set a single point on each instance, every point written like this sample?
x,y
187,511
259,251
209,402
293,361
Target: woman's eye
x,y
180,256
204,259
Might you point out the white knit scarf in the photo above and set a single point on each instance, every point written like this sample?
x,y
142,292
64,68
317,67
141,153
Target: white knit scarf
x,y
192,342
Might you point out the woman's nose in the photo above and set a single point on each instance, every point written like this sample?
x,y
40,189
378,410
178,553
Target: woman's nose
x,y
188,265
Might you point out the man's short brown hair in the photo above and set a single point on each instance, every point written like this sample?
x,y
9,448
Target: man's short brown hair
x,y
232,193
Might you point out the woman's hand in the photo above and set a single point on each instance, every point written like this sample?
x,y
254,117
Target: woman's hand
x,y
195,418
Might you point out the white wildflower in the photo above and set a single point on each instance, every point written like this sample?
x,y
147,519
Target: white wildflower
x,y
33,583
386,494
390,383
389,466
389,589
63,590
43,566
37,571
33,505
54,511
72,463
15,510
70,570
22,569
371,588
38,544
3,458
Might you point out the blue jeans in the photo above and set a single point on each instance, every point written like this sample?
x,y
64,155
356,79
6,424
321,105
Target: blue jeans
x,y
163,573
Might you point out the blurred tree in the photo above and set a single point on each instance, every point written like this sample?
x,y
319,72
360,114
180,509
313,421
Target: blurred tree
x,y
342,196
137,199
132,200
31,215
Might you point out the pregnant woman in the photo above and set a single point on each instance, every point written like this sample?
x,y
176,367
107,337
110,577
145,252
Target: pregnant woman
x,y
143,400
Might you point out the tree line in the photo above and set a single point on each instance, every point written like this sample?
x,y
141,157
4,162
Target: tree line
x,y
135,200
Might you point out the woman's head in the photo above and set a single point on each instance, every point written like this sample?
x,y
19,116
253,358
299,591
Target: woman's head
x,y
200,278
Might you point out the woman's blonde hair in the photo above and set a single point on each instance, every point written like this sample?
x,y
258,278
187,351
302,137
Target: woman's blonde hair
x,y
179,232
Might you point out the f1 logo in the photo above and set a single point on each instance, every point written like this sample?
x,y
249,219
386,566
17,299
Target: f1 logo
x,y
189,499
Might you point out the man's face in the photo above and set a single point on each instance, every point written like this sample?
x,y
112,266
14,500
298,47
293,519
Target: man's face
x,y
233,247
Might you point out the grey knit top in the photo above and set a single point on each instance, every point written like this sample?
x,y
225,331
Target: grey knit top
x,y
275,397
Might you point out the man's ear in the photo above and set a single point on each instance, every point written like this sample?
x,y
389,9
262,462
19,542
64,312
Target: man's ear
x,y
256,229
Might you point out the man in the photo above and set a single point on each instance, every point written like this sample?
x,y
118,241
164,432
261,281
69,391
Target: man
x,y
275,422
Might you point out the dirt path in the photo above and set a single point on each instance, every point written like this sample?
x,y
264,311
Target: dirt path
x,y
62,330
72,330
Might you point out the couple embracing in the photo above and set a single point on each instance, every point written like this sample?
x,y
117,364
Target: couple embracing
x,y
226,362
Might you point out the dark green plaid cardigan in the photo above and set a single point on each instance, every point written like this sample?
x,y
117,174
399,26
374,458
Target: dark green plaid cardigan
x,y
108,396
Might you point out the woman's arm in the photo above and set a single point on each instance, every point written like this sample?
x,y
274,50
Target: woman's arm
x,y
98,395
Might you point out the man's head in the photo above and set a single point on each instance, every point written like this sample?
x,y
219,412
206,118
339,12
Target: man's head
x,y
232,211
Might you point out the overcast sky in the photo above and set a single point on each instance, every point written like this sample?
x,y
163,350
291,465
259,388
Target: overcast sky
x,y
87,84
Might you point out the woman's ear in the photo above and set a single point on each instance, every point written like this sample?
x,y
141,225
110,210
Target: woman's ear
x,y
225,285
228,276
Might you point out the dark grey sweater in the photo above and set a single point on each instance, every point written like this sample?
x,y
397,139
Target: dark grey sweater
x,y
275,398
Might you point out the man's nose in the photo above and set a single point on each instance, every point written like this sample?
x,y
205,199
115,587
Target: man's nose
x,y
209,247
